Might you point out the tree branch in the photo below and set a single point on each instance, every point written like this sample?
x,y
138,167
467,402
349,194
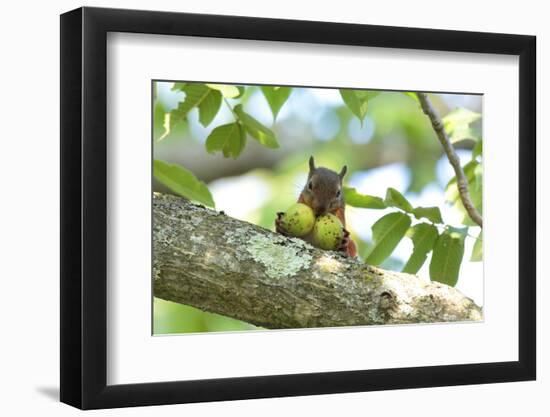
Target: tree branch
x,y
219,264
461,181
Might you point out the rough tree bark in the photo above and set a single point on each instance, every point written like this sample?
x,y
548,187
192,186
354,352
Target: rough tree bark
x,y
208,260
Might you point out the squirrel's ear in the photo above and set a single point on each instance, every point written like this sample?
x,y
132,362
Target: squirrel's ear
x,y
343,171
311,163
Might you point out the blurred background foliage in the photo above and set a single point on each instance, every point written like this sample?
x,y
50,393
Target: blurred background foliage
x,y
253,169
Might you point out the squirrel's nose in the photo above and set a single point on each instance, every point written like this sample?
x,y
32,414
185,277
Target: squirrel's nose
x,y
321,210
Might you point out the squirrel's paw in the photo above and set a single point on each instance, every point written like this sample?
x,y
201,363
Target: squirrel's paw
x,y
278,224
344,244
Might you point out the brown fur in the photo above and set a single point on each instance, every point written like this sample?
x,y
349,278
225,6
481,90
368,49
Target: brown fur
x,y
323,192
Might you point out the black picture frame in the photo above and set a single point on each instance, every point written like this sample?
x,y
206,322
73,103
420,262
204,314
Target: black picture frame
x,y
84,207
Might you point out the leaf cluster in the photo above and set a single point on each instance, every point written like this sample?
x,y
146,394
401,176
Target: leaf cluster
x,y
447,246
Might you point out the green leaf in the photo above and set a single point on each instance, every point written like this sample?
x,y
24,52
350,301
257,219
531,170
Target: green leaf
x,y
478,149
356,101
460,116
228,91
458,125
423,236
477,251
465,133
395,199
229,139
197,95
255,129
433,214
413,96
478,175
447,257
209,107
241,91
387,232
178,86
276,97
182,182
158,120
353,198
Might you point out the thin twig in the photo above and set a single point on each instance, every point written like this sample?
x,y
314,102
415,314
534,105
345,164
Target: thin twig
x,y
235,115
461,180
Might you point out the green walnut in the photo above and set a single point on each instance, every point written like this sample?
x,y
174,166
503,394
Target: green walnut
x,y
298,220
328,232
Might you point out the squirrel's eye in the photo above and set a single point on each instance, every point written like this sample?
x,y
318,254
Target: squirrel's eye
x,y
310,185
338,193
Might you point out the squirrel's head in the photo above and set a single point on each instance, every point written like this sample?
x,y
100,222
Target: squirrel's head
x,y
323,190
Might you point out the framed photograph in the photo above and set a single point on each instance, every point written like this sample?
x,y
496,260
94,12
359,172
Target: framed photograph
x,y
257,208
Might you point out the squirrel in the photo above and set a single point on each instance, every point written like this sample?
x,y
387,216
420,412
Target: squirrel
x,y
323,194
